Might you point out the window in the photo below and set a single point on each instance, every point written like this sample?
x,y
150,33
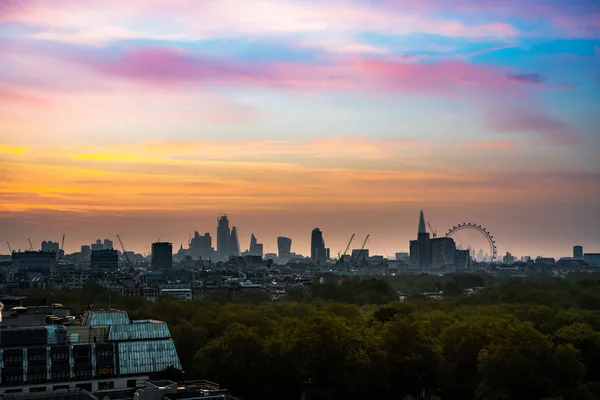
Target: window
x,y
13,360
82,374
60,358
14,379
36,377
106,385
105,371
131,383
37,389
61,387
60,376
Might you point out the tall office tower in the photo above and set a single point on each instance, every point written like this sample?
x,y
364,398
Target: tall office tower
x,y
234,243
105,260
223,237
162,256
318,252
284,247
577,251
256,249
108,244
420,249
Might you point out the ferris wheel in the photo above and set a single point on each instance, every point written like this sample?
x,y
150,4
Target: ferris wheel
x,y
476,228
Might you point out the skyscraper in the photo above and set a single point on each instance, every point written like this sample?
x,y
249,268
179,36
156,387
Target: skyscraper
x,y
162,256
420,249
108,244
284,247
577,251
318,253
256,249
223,237
234,243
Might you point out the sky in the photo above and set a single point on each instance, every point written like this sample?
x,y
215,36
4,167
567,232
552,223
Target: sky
x,y
151,118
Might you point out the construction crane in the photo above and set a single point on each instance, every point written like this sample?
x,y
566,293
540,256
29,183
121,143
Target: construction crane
x,y
9,248
433,233
62,246
124,251
347,247
30,245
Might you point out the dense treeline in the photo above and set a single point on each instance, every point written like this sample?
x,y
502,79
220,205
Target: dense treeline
x,y
518,339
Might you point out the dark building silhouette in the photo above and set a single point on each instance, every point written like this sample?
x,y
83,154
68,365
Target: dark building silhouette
x,y
360,256
427,254
108,244
223,237
420,249
577,251
463,260
201,246
234,243
162,256
318,252
33,261
86,251
256,249
284,247
105,260
98,245
201,242
50,246
443,253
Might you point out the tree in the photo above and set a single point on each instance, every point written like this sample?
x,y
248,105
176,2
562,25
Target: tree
x,y
414,358
521,363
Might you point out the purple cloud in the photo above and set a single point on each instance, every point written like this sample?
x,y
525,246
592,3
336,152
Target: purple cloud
x,y
527,79
549,129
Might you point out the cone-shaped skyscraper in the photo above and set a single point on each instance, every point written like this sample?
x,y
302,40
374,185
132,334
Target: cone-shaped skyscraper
x,y
420,249
422,228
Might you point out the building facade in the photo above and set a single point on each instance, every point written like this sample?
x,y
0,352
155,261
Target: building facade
x,y
104,261
162,256
34,261
223,237
105,353
284,247
577,251
318,252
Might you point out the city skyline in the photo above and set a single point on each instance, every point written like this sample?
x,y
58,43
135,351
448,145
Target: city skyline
x,y
378,245
148,119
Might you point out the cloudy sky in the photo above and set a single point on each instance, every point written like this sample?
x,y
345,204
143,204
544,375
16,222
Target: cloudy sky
x,y
150,118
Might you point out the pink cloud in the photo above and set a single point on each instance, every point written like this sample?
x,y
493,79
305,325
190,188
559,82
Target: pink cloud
x,y
548,129
170,66
9,96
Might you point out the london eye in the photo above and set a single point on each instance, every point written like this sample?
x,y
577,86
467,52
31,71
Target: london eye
x,y
476,228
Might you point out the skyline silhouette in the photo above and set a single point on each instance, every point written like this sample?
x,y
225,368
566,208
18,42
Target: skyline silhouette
x,y
149,118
